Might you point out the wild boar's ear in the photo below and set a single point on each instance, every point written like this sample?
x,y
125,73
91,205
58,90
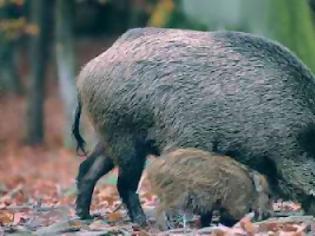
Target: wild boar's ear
x,y
256,177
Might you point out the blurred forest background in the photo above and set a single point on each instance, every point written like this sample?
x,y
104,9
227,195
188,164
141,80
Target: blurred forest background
x,y
43,45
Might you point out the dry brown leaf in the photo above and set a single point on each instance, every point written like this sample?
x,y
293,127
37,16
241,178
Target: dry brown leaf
x,y
273,227
298,234
107,191
140,233
109,199
6,217
286,206
219,232
3,205
19,217
289,227
282,233
248,226
114,216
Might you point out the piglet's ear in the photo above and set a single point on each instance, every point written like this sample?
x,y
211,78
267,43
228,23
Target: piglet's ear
x,y
162,161
158,161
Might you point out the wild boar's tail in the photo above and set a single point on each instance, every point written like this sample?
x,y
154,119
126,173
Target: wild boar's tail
x,y
76,128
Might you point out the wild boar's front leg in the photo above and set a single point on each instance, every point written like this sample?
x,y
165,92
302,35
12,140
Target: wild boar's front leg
x,y
91,170
299,182
130,172
205,219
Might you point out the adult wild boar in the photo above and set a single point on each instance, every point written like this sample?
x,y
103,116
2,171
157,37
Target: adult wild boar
x,y
228,92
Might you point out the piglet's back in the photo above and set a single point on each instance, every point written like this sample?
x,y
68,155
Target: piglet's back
x,y
192,178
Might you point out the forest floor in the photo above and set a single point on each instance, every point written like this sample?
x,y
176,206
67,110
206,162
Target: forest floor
x,y
37,188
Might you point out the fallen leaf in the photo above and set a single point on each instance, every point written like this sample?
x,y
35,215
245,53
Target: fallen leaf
x,y
19,217
272,226
289,227
219,232
140,232
109,199
6,217
114,216
248,226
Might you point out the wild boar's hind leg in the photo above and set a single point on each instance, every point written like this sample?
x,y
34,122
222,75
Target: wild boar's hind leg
x,y
91,170
130,172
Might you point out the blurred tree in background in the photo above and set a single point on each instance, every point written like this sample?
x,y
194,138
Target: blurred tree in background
x,y
312,4
65,58
49,31
12,28
290,22
38,58
170,14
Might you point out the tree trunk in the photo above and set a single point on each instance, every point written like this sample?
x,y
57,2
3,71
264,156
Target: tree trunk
x,y
64,16
312,4
10,81
290,22
38,59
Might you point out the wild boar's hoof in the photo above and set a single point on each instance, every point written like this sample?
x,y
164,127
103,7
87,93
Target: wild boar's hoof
x,y
84,215
136,213
83,212
140,220
205,219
